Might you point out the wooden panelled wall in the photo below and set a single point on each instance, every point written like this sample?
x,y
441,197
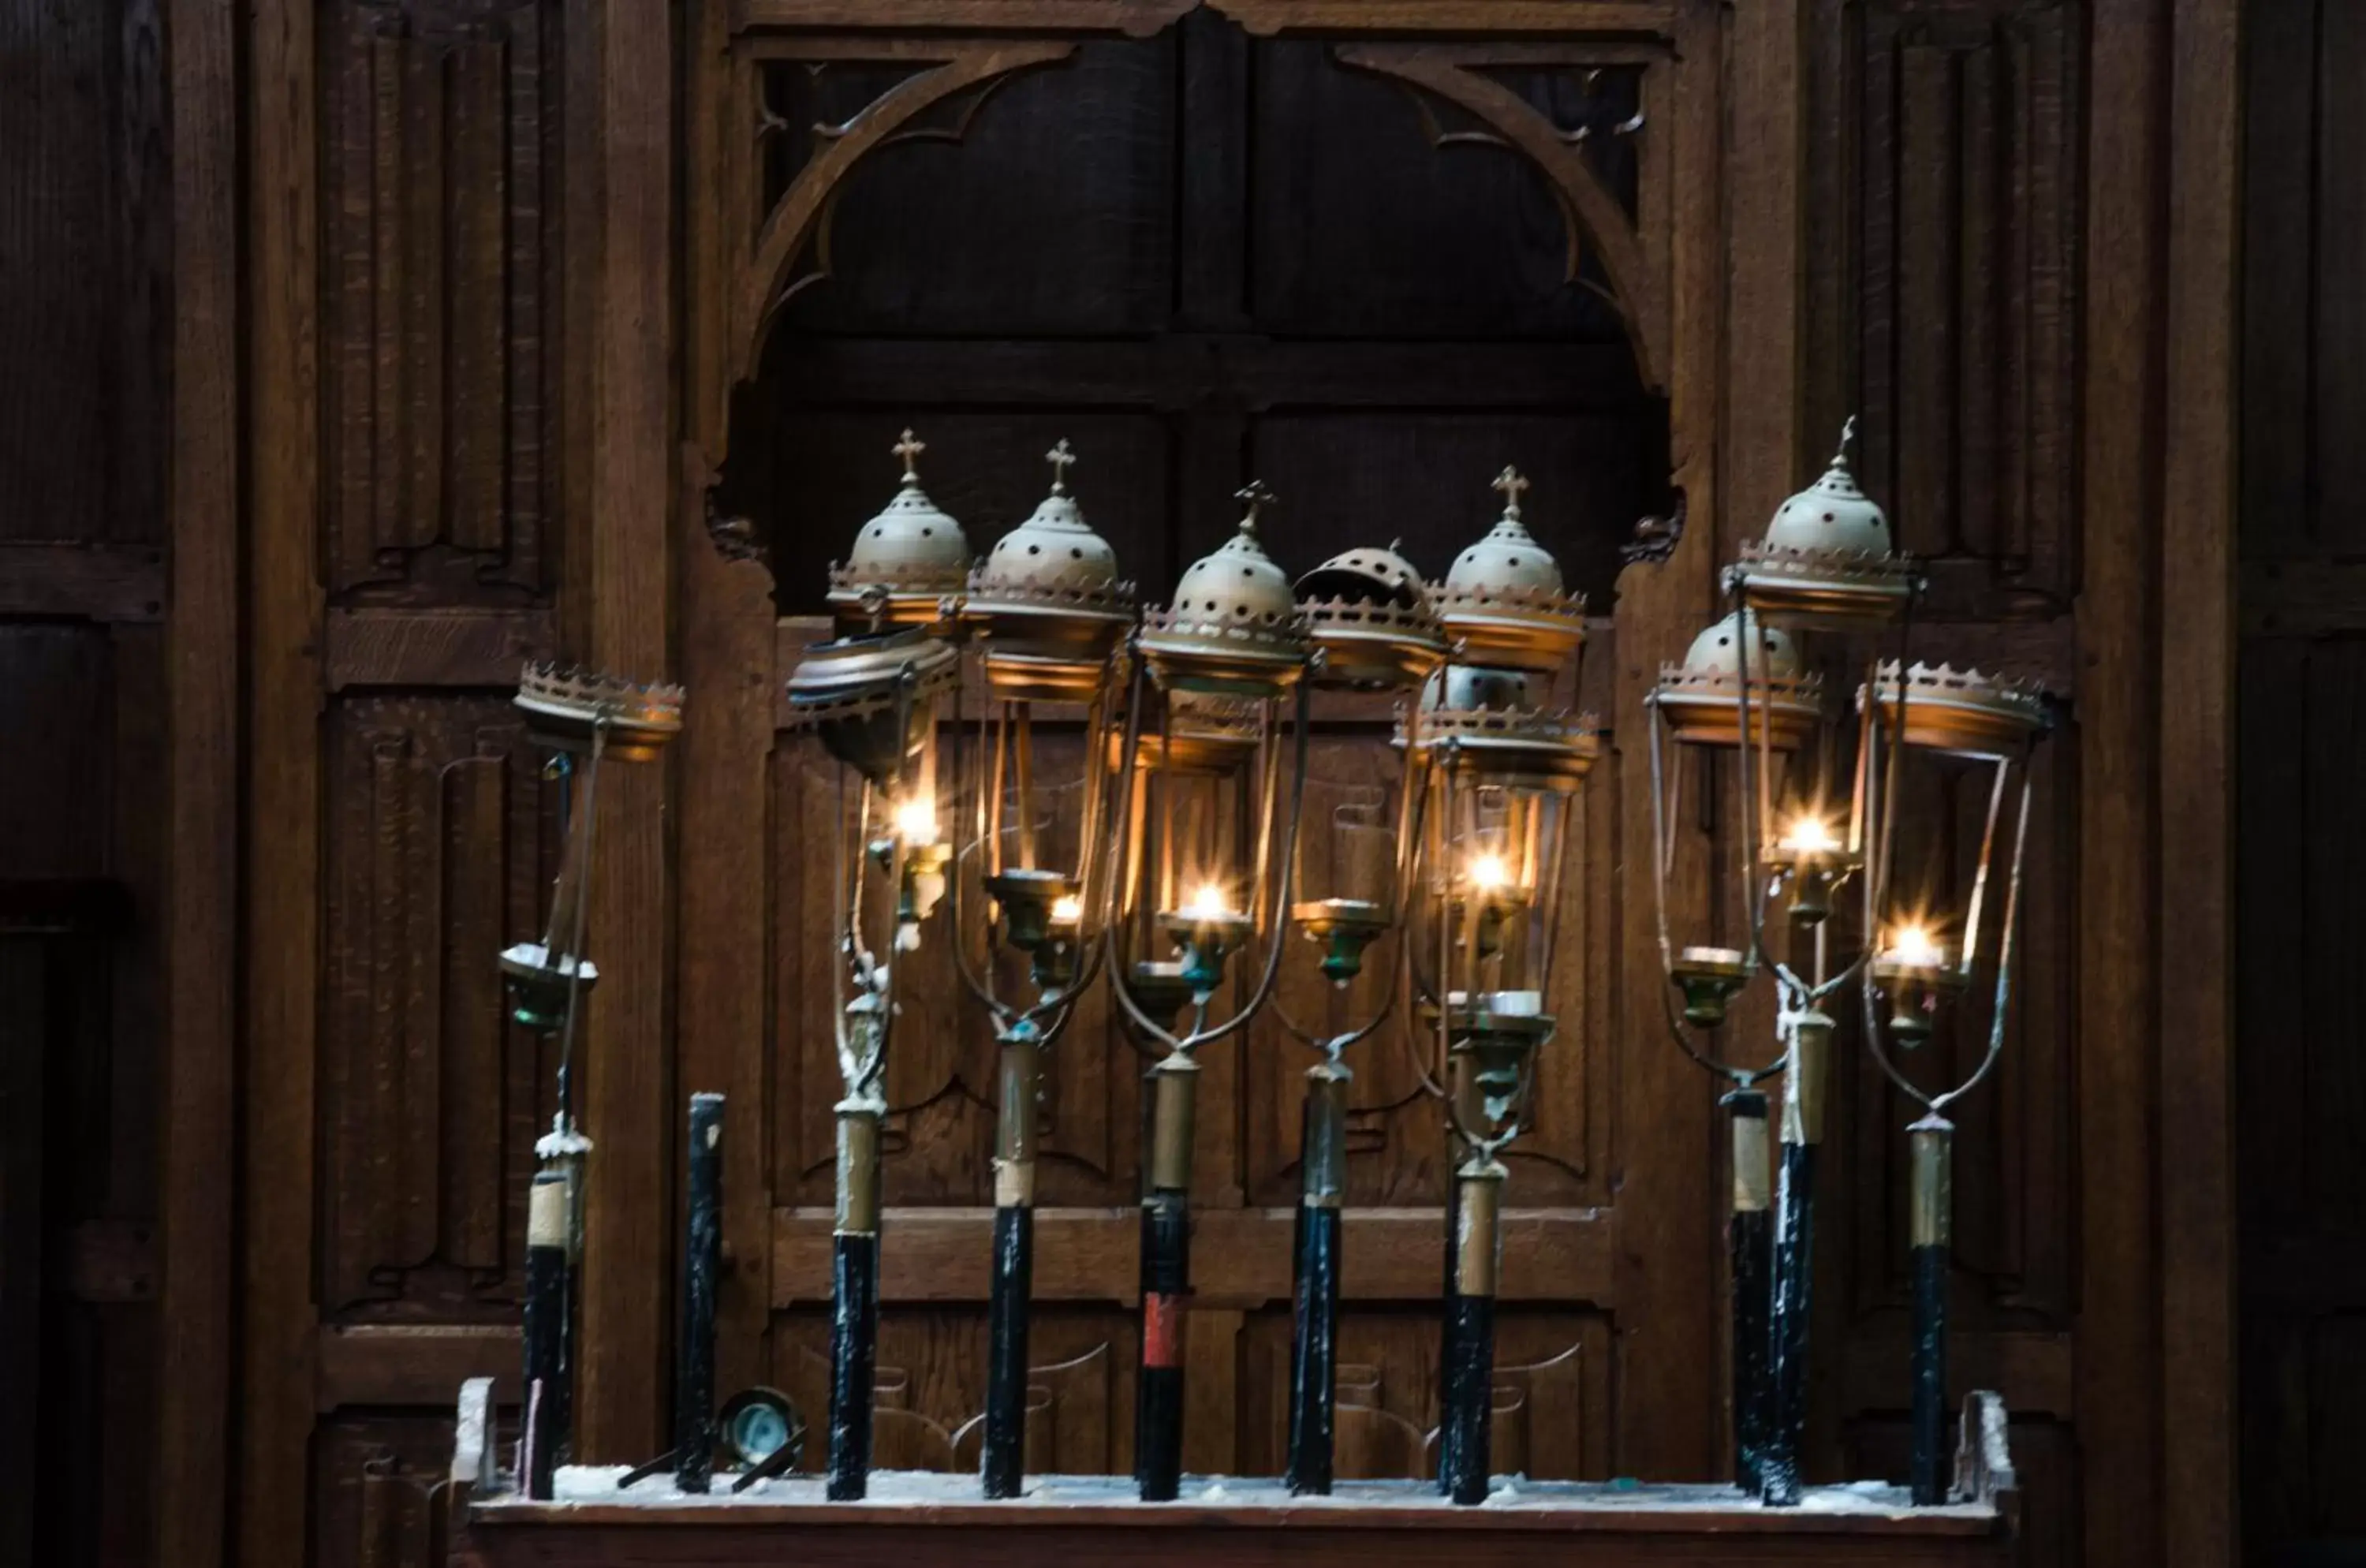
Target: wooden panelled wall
x,y
394,341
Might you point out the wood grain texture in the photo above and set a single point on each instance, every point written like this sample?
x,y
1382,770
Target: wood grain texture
x,y
2119,1363
196,1211
2197,787
628,1104
282,948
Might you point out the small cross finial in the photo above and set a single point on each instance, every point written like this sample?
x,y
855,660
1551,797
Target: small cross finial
x,y
1061,459
1252,496
1511,481
909,450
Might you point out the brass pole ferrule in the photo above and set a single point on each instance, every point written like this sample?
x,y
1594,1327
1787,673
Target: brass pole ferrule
x,y
858,1167
1477,1199
545,1213
1752,1177
1174,1083
1933,1144
1014,1135
1804,1080
1325,1176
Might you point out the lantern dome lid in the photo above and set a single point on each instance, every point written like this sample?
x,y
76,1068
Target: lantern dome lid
x,y
1719,649
1506,559
1055,547
1234,620
1503,601
1371,618
1833,515
908,558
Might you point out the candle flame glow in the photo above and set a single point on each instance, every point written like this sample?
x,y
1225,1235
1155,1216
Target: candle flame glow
x,y
916,823
1068,909
1208,899
1489,873
1914,947
1808,835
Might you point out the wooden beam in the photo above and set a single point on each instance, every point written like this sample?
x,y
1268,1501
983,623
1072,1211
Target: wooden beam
x,y
433,647
2197,747
98,582
2120,1367
196,1327
405,1364
282,933
629,1103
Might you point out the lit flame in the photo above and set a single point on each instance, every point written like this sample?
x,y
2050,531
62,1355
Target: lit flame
x,y
1068,909
1489,873
1914,947
916,823
1206,899
1809,835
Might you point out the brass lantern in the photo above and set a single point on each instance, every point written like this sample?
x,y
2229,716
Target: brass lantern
x,y
1045,618
1500,763
1210,833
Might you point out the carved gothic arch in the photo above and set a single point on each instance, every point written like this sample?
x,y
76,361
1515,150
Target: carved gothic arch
x,y
766,233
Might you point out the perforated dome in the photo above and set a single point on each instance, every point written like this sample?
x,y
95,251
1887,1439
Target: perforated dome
x,y
906,560
1507,559
1236,585
1054,547
1833,515
1380,576
1234,623
1716,652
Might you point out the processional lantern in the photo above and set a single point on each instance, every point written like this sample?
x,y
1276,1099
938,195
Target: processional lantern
x,y
1212,789
1753,715
1374,628
581,718
1046,614
1500,761
873,696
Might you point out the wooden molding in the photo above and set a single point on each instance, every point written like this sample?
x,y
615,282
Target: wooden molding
x,y
98,582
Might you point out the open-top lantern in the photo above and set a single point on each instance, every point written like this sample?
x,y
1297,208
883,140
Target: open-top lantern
x,y
1374,628
1927,956
874,700
1500,764
582,719
1045,619
1211,837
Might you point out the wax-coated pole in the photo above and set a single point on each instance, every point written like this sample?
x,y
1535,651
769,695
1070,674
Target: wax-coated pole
x,y
1795,1215
1004,1462
1314,1361
854,1298
1467,1381
1932,1141
1166,1281
546,1332
1750,1235
702,1262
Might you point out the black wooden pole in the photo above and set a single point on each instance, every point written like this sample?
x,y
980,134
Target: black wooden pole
x,y
1314,1360
1750,1235
1794,1217
854,1298
1004,1462
1932,1141
1166,1281
702,1262
546,1332
1466,1393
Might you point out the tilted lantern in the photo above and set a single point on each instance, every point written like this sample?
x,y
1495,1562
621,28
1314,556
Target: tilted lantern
x,y
908,564
582,719
1211,834
1501,763
1374,628
1046,617
1927,956
872,699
